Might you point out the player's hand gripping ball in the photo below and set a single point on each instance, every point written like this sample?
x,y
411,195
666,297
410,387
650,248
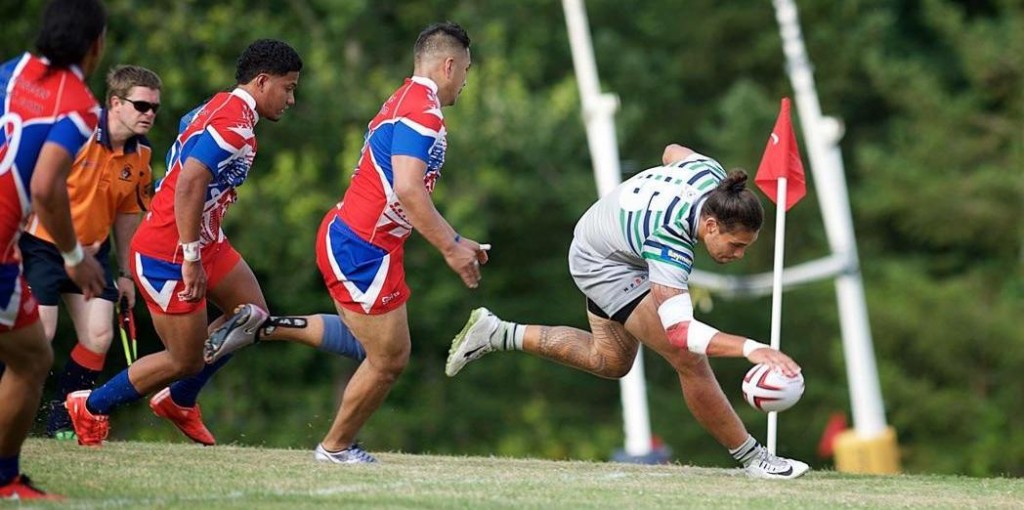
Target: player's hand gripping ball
x,y
770,390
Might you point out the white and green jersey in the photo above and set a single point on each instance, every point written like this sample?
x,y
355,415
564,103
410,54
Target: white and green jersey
x,y
651,219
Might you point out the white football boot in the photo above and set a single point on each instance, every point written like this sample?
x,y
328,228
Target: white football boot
x,y
354,454
473,341
766,466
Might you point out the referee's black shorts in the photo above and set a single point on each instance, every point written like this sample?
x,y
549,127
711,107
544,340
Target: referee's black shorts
x,y
44,270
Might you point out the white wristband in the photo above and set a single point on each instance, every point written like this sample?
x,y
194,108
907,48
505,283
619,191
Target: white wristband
x,y
750,346
75,256
190,251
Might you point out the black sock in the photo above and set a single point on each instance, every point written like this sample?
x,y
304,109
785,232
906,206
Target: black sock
x,y
75,377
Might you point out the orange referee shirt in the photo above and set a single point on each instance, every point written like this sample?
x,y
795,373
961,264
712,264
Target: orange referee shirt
x,y
104,183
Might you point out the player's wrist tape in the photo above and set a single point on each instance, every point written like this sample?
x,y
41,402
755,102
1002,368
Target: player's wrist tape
x,y
190,251
75,256
752,345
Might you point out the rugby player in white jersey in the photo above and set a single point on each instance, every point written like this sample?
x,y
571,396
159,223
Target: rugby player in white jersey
x,y
631,255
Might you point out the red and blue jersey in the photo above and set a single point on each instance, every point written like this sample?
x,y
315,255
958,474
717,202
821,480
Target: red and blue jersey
x,y
38,104
409,124
220,135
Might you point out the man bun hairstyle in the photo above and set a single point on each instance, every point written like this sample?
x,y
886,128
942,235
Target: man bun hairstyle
x,y
68,30
444,36
268,56
733,205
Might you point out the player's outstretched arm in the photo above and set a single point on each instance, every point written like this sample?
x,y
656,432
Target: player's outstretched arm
x,y
460,253
685,331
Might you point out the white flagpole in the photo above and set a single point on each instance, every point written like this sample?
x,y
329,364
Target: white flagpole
x,y
780,248
599,117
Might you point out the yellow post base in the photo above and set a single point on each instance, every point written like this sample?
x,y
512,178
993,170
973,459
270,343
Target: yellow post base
x,y
875,455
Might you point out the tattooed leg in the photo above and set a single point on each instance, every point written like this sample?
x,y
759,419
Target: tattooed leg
x,y
607,352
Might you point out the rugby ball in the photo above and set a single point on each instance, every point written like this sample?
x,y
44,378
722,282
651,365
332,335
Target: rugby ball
x,y
770,390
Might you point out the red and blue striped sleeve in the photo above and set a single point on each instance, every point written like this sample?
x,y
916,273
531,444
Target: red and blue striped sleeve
x,y
73,129
416,133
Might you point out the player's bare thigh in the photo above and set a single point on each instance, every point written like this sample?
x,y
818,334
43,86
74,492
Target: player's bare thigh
x,y
92,321
25,347
385,337
238,287
611,339
183,334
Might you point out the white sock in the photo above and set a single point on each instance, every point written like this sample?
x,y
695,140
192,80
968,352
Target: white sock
x,y
508,336
745,452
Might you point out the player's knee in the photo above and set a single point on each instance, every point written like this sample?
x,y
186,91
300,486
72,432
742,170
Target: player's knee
x,y
612,367
99,340
618,369
391,366
186,367
689,364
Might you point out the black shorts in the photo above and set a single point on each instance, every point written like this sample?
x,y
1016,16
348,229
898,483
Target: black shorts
x,y
44,270
620,316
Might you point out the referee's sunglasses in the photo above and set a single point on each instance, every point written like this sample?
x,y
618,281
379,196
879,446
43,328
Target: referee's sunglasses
x,y
143,106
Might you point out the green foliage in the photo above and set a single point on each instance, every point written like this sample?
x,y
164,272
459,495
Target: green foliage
x,y
932,96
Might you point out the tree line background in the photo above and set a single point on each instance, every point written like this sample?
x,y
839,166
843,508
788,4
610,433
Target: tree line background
x,y
932,96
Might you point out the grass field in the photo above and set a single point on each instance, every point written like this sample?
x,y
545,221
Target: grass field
x,y
177,475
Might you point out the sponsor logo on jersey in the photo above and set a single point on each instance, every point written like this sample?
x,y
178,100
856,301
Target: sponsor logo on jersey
x,y
675,255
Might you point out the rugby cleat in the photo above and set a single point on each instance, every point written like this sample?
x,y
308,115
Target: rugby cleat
x,y
354,454
240,330
91,429
21,488
767,466
189,420
473,341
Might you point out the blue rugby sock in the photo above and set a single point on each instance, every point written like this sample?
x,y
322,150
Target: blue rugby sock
x,y
185,392
339,340
8,469
115,392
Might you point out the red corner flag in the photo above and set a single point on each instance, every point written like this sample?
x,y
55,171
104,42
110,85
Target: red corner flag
x,y
782,159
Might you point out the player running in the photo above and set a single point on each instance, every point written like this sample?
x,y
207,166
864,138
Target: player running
x,y
631,255
180,256
360,245
46,115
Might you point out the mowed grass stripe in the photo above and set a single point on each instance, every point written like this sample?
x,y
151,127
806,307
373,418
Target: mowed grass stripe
x,y
178,475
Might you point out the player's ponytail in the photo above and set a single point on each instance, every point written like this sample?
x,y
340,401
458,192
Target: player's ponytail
x,y
733,205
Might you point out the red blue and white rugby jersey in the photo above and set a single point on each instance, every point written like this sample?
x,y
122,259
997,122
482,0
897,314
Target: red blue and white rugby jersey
x,y
219,133
38,104
409,124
